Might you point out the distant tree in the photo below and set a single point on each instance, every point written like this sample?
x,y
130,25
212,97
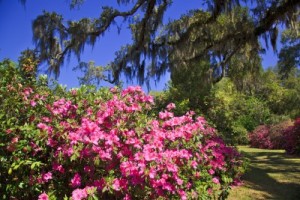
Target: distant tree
x,y
289,56
281,96
178,42
192,79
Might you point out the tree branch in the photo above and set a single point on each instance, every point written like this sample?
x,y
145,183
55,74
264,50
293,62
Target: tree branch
x,y
274,14
115,14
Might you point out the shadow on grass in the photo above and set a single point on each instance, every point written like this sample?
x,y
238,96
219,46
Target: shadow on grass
x,y
272,175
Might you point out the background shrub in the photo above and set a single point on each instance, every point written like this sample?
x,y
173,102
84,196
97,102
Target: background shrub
x,y
276,133
260,137
292,138
284,135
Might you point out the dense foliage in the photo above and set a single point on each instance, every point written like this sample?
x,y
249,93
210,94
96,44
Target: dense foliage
x,y
236,110
107,144
214,30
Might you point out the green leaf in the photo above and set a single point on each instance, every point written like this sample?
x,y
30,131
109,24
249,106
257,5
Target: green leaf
x,y
16,167
21,185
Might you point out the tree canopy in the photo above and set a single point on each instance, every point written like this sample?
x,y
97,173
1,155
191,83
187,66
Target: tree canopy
x,y
219,29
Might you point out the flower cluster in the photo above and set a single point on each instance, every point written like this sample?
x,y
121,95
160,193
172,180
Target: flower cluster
x,y
87,143
115,147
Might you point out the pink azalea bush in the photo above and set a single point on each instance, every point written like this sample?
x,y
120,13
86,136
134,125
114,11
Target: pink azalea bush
x,y
277,133
115,147
108,144
260,137
292,138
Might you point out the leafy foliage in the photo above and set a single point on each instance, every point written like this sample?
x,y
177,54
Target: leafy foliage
x,y
22,103
234,113
280,95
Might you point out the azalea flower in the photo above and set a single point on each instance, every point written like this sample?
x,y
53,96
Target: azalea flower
x,y
216,180
171,106
32,103
76,180
43,196
47,176
79,194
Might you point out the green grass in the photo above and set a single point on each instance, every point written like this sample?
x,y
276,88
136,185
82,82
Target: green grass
x,y
271,175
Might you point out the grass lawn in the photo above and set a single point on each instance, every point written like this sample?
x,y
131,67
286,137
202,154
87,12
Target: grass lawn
x,y
271,175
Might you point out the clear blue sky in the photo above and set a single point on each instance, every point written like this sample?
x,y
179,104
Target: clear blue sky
x,y
16,33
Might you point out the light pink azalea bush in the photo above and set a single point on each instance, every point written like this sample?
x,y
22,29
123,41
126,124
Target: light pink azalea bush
x,y
106,144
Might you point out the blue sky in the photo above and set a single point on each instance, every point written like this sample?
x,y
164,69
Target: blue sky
x,y
16,33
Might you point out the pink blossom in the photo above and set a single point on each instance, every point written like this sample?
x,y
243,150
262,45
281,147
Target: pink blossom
x,y
15,140
165,115
99,183
172,167
171,106
194,164
152,173
216,180
209,191
179,181
32,103
51,142
79,194
76,180
8,131
46,119
211,171
116,184
119,184
127,197
148,99
27,91
74,137
68,151
73,92
43,127
43,196
188,185
182,194
47,176
58,167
